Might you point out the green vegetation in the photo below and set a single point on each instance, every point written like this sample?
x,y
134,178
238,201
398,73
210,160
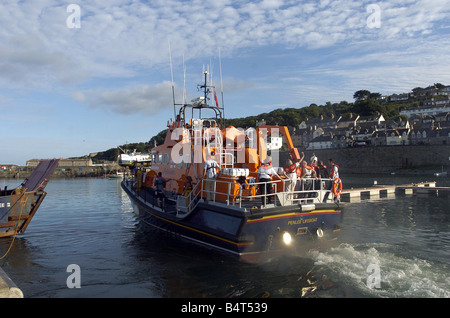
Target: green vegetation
x,y
366,104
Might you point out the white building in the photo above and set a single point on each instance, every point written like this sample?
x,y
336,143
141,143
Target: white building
x,y
321,142
430,110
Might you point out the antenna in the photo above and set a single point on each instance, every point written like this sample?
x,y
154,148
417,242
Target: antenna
x,y
211,74
171,73
184,82
221,83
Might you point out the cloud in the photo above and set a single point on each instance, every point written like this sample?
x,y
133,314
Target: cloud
x,y
123,38
24,59
145,99
231,85
412,18
127,40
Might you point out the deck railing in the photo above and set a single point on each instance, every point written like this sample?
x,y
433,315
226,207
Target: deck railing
x,y
307,190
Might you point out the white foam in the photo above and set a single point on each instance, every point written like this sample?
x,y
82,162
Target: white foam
x,y
400,276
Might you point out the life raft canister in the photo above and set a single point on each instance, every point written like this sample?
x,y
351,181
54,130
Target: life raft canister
x,y
337,187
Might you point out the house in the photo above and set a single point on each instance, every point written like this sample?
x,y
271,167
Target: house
x,y
339,141
378,138
437,101
362,135
9,167
397,137
432,90
321,122
444,91
321,142
425,110
399,97
442,119
301,137
419,136
374,120
390,137
439,137
350,121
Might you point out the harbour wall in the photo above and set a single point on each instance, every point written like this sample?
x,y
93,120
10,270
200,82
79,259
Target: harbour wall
x,y
422,159
80,172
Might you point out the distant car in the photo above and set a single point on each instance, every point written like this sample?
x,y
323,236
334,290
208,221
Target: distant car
x,y
360,144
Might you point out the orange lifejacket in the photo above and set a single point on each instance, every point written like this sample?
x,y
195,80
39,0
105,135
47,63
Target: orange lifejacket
x,y
299,172
307,168
332,169
290,169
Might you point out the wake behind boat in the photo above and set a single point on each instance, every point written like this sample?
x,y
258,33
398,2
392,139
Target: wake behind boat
x,y
19,205
236,211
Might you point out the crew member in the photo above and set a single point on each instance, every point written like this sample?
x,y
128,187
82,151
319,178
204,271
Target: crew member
x,y
322,170
336,183
139,178
334,172
160,183
307,173
291,172
210,173
187,189
265,173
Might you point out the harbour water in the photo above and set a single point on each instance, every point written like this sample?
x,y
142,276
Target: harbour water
x,y
387,248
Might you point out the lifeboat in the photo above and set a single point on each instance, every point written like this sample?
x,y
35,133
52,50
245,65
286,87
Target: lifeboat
x,y
234,215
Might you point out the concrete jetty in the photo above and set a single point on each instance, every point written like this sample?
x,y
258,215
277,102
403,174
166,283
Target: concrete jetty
x,y
7,287
390,191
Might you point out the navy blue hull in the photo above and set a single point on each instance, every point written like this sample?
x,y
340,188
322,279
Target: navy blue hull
x,y
244,233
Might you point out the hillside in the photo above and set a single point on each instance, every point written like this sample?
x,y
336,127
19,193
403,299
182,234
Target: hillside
x,y
366,103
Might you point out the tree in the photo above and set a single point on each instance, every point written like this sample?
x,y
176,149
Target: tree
x,y
368,107
418,91
159,138
361,95
375,95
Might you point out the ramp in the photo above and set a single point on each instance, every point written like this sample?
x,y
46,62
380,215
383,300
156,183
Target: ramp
x,y
40,174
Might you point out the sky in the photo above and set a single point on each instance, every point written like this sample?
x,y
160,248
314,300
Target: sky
x,y
81,77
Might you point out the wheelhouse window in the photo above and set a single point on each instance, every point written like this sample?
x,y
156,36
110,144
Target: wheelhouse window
x,y
160,158
166,158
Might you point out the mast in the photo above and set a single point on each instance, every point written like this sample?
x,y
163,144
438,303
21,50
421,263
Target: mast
x,y
221,83
173,86
205,88
184,82
202,102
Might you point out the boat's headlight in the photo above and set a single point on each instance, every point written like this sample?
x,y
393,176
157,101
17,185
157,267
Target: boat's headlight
x,y
287,238
319,232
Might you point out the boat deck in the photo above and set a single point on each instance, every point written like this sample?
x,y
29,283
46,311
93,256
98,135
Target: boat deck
x,y
240,202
